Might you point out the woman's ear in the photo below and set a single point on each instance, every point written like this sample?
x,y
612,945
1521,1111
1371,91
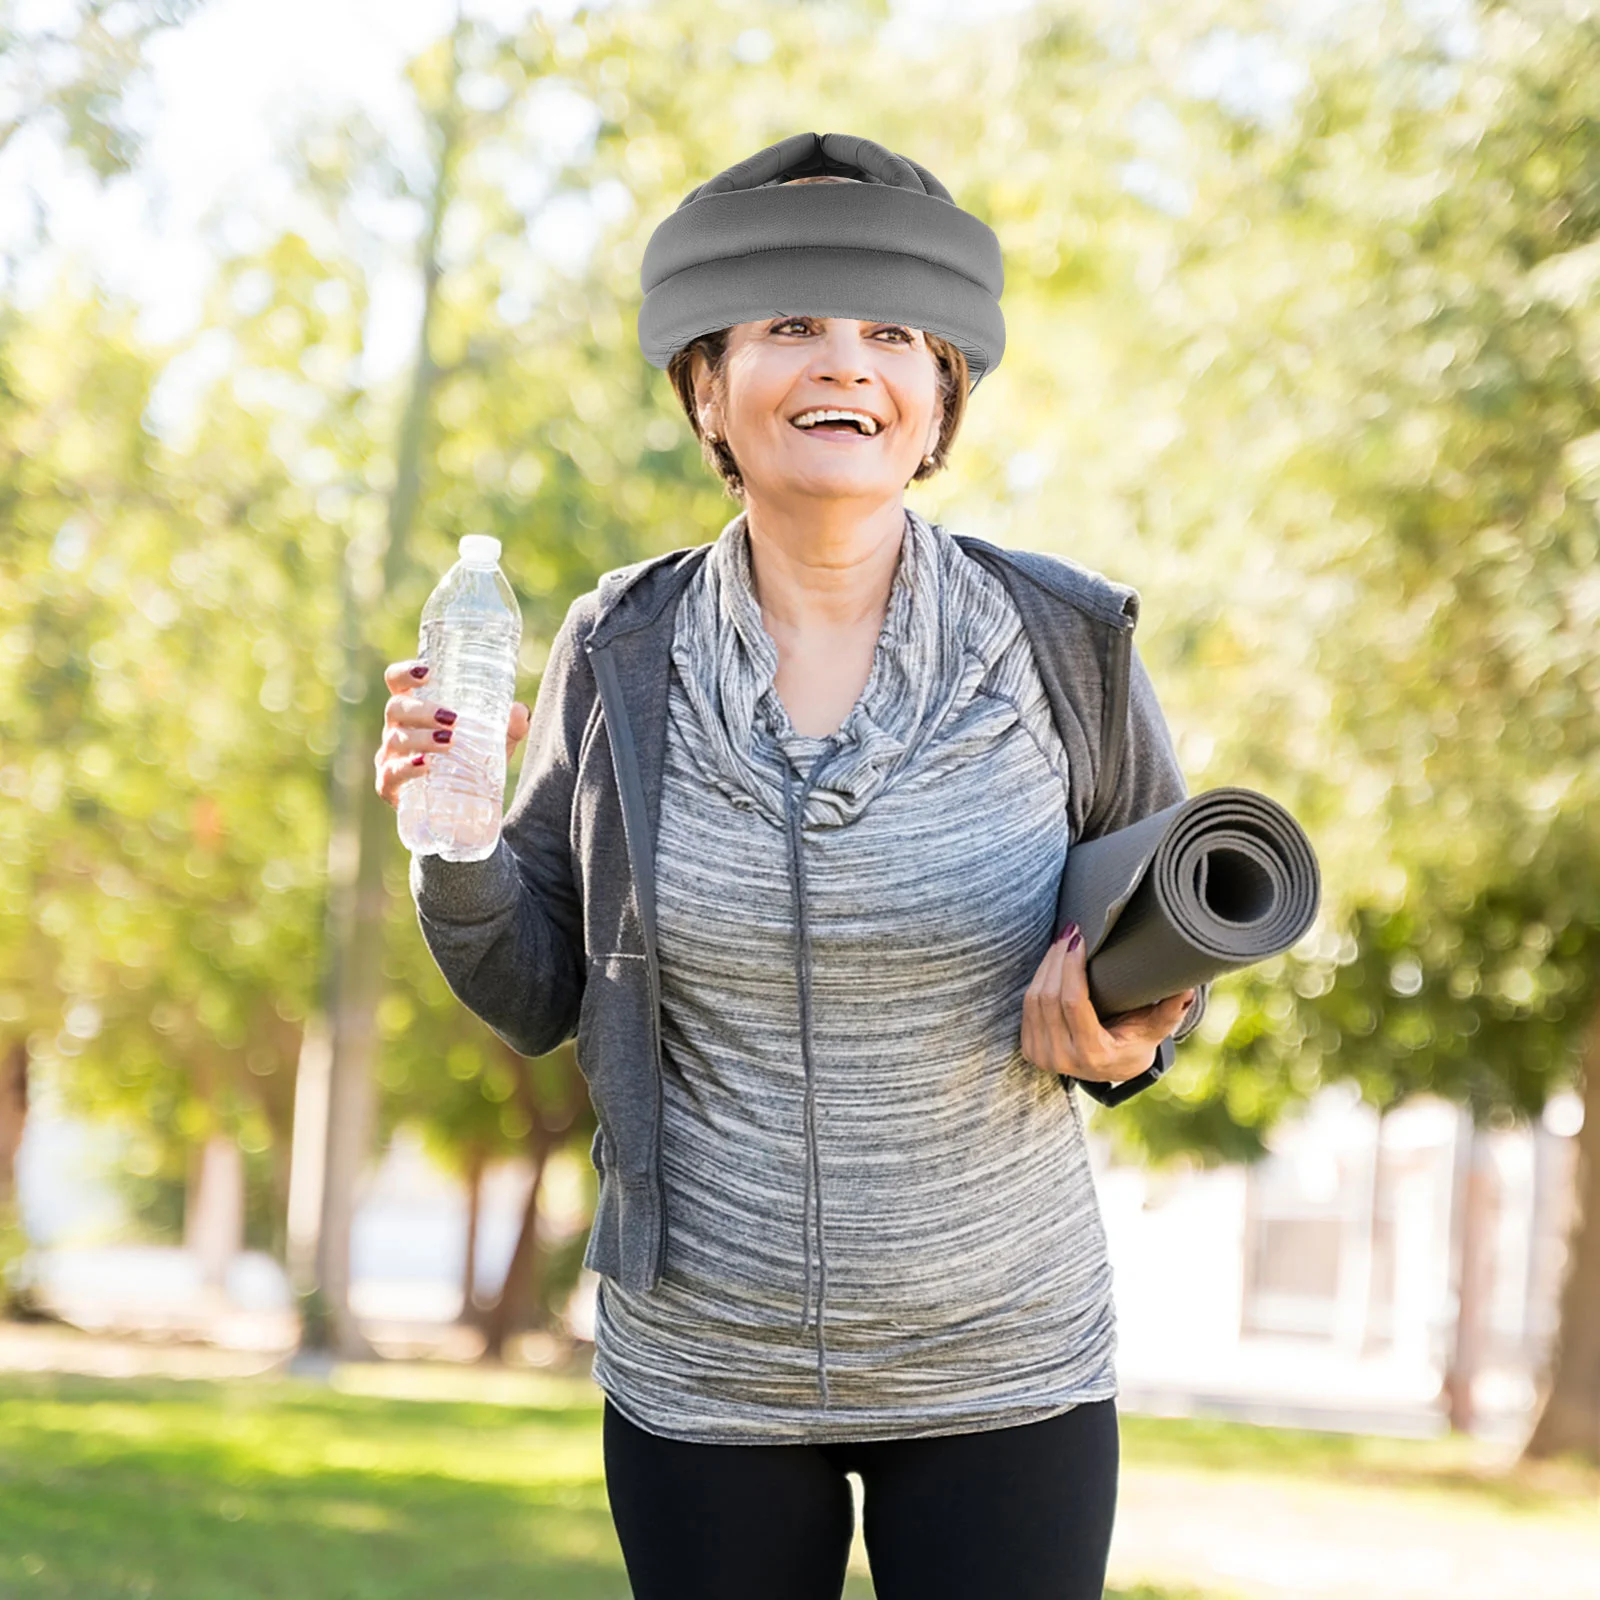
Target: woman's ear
x,y
706,404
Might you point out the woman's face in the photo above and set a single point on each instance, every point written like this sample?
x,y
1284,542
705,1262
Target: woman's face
x,y
780,368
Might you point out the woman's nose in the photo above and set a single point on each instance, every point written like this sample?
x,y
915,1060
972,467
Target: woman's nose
x,y
841,355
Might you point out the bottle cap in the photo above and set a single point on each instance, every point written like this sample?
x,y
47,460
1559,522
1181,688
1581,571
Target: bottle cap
x,y
479,549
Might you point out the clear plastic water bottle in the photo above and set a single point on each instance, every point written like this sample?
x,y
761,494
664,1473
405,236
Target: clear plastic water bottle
x,y
470,635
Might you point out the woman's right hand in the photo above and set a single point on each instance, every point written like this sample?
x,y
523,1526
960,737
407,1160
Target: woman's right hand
x,y
413,726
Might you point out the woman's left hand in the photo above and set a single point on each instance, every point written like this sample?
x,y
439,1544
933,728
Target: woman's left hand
x,y
1062,1032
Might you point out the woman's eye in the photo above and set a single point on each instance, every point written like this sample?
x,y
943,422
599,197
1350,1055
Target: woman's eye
x,y
801,323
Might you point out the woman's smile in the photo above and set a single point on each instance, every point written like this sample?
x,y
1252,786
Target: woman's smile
x,y
844,432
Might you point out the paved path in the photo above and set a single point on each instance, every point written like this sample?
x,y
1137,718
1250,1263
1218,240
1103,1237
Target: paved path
x,y
1287,1538
1232,1536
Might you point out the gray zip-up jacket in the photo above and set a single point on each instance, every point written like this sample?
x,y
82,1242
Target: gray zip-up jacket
x,y
554,934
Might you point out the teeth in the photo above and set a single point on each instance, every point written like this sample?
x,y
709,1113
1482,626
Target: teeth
x,y
809,419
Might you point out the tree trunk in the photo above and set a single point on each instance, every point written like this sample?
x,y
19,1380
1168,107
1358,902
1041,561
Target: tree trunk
x,y
1473,1264
469,1270
213,1212
521,1274
13,1123
363,829
13,1114
1570,1417
521,1301
1377,1260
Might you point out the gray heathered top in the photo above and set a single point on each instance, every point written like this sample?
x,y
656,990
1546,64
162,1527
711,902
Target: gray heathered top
x,y
882,1221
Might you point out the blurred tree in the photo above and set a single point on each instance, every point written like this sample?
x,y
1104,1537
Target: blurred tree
x,y
1468,370
340,1041
484,441
76,73
80,70
1377,309
149,828
478,1104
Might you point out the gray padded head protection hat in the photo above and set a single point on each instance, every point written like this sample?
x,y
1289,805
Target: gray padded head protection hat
x,y
892,248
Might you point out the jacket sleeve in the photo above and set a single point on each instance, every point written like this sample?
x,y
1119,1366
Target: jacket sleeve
x,y
1149,780
507,931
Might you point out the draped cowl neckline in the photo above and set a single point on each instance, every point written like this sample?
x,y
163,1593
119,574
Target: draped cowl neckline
x,y
943,630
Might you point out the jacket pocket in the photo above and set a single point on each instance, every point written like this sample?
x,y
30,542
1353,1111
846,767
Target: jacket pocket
x,y
616,1054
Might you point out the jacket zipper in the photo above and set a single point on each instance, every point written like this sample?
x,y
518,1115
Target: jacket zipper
x,y
631,795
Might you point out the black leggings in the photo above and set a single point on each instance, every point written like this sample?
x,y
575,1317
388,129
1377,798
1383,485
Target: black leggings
x,y
1022,1513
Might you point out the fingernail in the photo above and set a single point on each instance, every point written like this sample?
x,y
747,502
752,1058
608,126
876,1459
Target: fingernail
x,y
442,735
1067,933
417,761
446,717
1076,939
419,672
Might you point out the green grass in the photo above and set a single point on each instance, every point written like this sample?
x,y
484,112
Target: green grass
x,y
172,1489
190,1490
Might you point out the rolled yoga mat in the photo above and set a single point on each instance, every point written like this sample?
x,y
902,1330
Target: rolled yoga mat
x,y
1216,882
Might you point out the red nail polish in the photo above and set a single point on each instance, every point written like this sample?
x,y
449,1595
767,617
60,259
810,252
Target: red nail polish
x,y
442,735
417,761
419,672
1075,940
446,717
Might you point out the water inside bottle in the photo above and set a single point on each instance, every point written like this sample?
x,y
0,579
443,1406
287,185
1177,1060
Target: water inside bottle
x,y
473,671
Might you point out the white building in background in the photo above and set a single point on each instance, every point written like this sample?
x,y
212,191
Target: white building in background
x,y
1318,1286
1325,1278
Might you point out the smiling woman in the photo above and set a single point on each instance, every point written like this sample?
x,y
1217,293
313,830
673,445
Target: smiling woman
x,y
794,903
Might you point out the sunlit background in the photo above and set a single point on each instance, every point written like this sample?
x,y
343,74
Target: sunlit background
x,y
1303,316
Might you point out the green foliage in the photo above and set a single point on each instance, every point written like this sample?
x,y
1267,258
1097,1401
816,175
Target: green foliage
x,y
77,71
